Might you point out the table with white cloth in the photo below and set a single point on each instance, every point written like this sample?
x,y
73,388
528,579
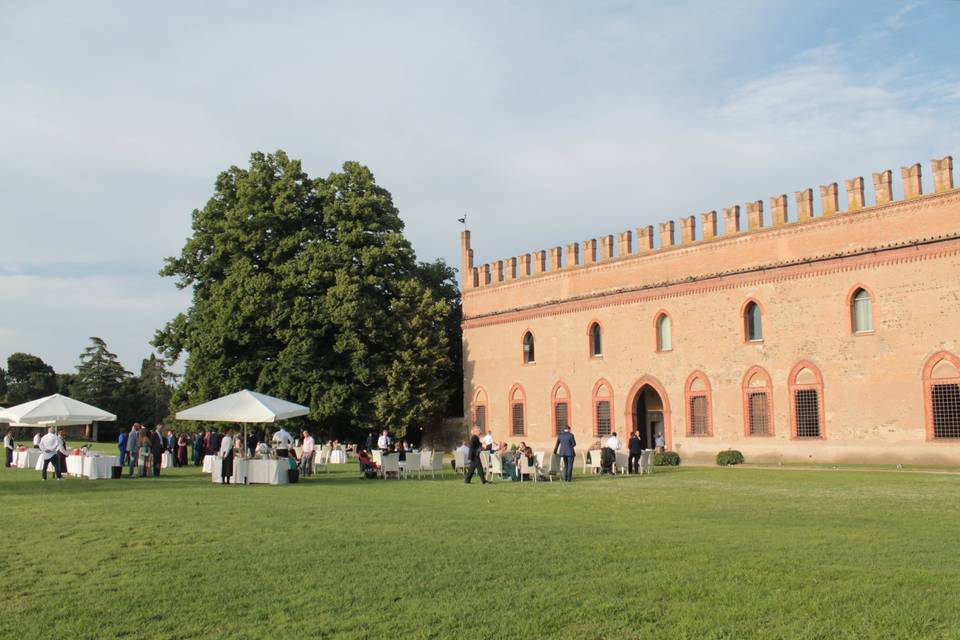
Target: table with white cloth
x,y
26,459
209,462
256,471
166,460
338,456
74,466
95,467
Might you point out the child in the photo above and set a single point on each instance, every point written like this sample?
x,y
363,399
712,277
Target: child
x,y
144,458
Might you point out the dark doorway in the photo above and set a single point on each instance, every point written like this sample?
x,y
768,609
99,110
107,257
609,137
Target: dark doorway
x,y
648,415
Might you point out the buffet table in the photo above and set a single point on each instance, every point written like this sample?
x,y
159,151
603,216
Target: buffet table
x,y
256,471
95,467
26,459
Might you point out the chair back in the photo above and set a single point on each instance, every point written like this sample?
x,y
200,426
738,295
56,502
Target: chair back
x,y
646,461
622,461
594,459
496,466
413,462
378,456
426,457
391,463
458,460
485,460
526,467
437,462
551,464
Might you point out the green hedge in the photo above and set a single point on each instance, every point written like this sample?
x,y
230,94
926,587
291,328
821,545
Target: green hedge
x,y
666,459
729,457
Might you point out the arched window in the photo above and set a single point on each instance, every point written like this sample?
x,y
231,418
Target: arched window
x,y
941,396
699,402
806,402
752,322
596,339
757,403
528,351
861,311
480,409
664,338
561,407
518,411
602,409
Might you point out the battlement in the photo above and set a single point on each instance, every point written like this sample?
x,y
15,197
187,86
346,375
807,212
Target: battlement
x,y
605,249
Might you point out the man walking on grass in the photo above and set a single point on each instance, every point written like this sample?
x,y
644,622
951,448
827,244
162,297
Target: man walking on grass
x,y
133,446
565,447
51,447
475,464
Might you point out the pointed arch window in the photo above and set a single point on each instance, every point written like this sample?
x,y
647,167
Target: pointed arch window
x,y
664,332
518,411
480,409
941,391
560,400
699,403
757,403
861,311
806,402
596,340
602,409
752,322
529,355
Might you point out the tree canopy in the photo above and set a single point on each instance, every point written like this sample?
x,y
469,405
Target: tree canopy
x,y
28,378
307,289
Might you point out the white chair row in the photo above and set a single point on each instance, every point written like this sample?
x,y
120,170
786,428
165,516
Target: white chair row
x,y
621,463
429,461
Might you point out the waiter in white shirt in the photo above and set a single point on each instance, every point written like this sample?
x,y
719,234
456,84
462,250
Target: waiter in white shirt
x,y
226,455
383,442
488,441
50,446
283,441
613,442
8,448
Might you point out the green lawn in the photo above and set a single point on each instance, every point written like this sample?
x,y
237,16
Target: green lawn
x,y
689,553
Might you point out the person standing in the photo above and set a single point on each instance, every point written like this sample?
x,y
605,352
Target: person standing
x,y
661,444
369,446
198,449
133,446
182,450
309,449
170,446
565,448
62,452
51,448
156,449
8,448
36,440
143,448
475,463
383,442
283,441
226,457
122,447
636,448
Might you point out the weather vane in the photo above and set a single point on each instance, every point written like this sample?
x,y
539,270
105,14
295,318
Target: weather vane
x,y
463,220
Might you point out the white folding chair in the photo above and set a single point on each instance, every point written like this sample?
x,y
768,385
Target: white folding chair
x,y
459,462
527,468
432,463
496,467
550,466
390,464
621,463
412,465
321,459
594,464
648,462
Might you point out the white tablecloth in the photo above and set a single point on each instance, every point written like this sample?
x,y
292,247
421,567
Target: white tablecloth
x,y
209,462
256,471
26,459
166,460
74,466
95,467
338,456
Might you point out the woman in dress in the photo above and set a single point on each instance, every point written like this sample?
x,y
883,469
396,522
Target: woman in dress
x,y
182,449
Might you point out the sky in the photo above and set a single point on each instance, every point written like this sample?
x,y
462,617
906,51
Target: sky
x,y
545,122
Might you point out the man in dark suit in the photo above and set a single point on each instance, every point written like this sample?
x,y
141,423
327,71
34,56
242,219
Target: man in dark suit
x,y
565,448
636,448
156,448
198,448
474,455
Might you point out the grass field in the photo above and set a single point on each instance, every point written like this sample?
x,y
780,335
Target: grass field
x,y
688,553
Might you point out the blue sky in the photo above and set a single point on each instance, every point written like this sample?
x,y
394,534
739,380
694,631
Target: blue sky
x,y
547,122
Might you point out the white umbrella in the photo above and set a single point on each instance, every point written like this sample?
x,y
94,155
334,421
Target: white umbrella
x,y
55,411
244,406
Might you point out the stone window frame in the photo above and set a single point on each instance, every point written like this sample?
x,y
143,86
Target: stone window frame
x,y
928,382
688,395
873,310
594,400
747,390
793,387
662,313
553,406
510,402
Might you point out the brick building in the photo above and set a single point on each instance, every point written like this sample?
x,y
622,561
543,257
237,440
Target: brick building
x,y
829,334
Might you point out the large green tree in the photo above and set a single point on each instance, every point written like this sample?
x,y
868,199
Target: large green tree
x,y
154,390
306,288
99,377
28,378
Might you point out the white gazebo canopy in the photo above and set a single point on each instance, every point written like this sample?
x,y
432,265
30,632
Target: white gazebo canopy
x,y
244,406
54,411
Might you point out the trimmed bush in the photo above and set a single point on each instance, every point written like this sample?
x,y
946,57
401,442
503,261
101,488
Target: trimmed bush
x,y
729,457
666,459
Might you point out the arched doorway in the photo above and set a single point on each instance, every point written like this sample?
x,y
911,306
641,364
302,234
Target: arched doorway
x,y
649,412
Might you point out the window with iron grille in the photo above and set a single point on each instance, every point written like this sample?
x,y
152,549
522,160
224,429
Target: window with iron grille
x,y
758,413
946,410
559,417
807,411
517,421
603,418
697,420
480,417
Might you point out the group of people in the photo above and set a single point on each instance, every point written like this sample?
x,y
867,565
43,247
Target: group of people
x,y
510,457
53,450
142,449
